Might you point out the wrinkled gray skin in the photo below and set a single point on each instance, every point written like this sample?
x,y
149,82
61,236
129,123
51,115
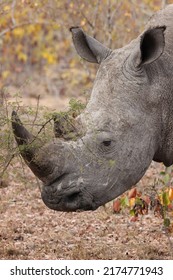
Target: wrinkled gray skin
x,y
127,123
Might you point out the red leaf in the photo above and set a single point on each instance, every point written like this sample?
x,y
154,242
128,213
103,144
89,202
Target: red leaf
x,y
134,219
132,193
147,199
116,206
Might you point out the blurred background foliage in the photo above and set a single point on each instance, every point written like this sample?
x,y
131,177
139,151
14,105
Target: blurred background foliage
x,y
36,51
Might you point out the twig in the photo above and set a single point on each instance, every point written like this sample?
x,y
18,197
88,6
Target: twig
x,y
38,183
23,169
170,242
109,24
12,12
163,3
43,126
36,113
8,161
111,12
11,28
95,18
85,17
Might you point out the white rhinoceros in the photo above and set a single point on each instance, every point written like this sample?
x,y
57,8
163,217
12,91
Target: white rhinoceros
x,y
127,123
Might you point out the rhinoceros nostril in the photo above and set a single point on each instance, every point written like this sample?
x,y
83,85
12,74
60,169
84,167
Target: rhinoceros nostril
x,y
72,197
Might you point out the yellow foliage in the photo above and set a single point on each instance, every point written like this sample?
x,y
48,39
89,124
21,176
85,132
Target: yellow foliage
x,y
22,57
55,26
32,28
71,5
7,37
5,74
128,14
83,22
6,8
171,194
132,201
50,57
19,32
73,63
18,48
43,35
161,198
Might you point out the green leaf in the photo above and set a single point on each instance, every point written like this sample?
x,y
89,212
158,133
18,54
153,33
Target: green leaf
x,y
132,212
124,201
139,201
166,179
76,105
165,197
167,222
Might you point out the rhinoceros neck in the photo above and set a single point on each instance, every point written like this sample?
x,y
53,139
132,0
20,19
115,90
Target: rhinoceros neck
x,y
163,68
165,151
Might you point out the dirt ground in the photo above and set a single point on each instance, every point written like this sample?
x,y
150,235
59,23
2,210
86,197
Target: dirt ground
x,y
29,230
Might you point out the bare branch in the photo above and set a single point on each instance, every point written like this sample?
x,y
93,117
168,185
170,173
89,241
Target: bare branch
x,y
42,127
12,12
109,26
95,17
11,28
85,17
163,4
36,113
7,163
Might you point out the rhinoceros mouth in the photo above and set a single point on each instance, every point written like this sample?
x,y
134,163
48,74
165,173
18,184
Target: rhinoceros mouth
x,y
71,203
71,200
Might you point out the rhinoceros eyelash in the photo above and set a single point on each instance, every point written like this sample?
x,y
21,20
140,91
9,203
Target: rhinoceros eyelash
x,y
105,146
107,143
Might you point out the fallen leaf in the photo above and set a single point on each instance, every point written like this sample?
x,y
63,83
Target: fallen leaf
x,y
132,193
171,194
117,206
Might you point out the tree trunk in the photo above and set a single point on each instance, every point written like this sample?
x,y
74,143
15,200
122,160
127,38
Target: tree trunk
x,y
163,4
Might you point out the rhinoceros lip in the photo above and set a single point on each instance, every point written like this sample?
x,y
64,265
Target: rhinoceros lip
x,y
75,197
71,200
70,203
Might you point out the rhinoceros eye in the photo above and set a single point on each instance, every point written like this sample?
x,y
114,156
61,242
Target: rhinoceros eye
x,y
107,143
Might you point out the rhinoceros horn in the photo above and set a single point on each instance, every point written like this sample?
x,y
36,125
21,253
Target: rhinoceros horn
x,y
35,152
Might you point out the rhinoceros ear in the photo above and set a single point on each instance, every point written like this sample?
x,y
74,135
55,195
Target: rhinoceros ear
x,y
87,47
152,44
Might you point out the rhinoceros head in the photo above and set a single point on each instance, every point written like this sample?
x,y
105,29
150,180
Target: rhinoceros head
x,y
120,129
